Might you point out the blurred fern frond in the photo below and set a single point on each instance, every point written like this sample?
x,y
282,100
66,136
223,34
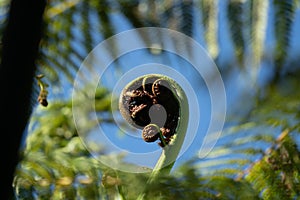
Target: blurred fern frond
x,y
258,19
252,154
209,10
73,28
284,17
235,11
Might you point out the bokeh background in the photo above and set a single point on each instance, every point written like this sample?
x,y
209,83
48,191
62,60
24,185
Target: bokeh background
x,y
256,47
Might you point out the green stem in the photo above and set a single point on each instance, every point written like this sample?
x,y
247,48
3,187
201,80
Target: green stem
x,y
172,150
162,139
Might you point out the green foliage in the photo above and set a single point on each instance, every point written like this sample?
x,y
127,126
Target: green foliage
x,y
235,19
55,164
210,22
284,15
258,23
264,151
246,23
276,175
258,156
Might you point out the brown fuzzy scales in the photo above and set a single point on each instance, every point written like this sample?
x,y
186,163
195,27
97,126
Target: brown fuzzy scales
x,y
138,98
150,133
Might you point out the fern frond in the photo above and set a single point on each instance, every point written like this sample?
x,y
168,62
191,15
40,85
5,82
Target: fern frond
x,y
23,184
57,8
235,16
56,44
209,11
187,18
227,188
284,16
276,173
106,28
86,27
130,11
258,25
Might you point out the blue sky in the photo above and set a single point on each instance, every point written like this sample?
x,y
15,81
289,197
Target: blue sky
x,y
234,86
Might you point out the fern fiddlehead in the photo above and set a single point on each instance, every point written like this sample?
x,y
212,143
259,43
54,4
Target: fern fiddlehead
x,y
159,106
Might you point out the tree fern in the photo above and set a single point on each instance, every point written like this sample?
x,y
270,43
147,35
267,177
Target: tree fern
x,y
86,26
72,173
130,11
55,163
235,14
258,14
209,11
263,151
57,42
103,10
275,174
284,15
55,157
187,18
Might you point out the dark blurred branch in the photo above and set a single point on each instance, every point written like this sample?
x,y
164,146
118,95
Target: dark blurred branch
x,y
20,49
